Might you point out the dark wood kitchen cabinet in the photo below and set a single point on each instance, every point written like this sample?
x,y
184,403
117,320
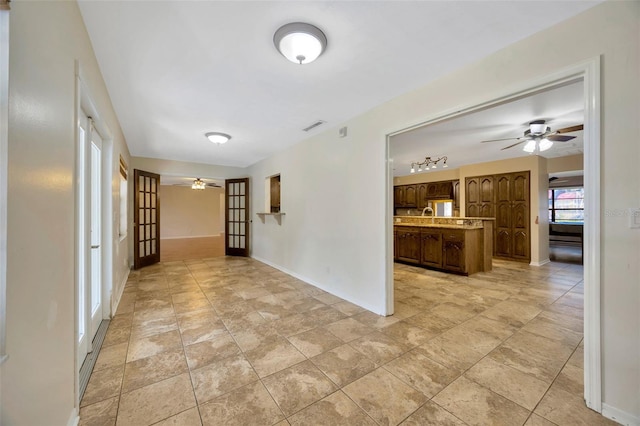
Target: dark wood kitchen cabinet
x,y
453,250
405,196
398,196
456,195
512,236
479,197
423,197
506,197
431,246
408,244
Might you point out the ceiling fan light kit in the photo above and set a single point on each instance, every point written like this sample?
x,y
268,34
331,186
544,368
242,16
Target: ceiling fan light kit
x,y
198,184
539,137
217,137
299,42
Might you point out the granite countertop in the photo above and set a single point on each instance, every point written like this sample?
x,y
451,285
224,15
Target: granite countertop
x,y
439,222
437,225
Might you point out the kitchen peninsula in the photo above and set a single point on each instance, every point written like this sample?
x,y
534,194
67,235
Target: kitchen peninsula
x,y
462,245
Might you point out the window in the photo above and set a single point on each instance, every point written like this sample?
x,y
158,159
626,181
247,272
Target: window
x,y
566,205
123,199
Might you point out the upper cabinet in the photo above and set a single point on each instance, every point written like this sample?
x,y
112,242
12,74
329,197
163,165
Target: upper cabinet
x,y
419,195
405,196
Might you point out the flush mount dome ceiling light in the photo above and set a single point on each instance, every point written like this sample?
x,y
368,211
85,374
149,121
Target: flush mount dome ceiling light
x,y
299,42
217,137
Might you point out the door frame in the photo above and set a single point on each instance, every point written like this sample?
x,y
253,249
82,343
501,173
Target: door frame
x,y
84,102
589,73
232,251
137,260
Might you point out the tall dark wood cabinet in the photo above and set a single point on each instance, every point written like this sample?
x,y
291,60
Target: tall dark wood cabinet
x,y
479,201
510,203
512,216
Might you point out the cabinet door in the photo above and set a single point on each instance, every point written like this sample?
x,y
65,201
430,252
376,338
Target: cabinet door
x,y
395,245
410,196
422,195
486,197
409,245
398,196
432,190
431,248
472,203
456,195
503,232
486,189
445,190
453,256
521,237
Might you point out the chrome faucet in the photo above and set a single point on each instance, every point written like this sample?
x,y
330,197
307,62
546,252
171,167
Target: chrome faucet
x,y
431,210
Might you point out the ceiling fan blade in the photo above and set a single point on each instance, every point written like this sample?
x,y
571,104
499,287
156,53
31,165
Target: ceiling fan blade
x,y
570,129
560,138
511,146
498,140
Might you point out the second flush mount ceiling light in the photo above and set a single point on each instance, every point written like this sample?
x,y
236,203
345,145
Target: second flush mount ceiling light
x,y
300,42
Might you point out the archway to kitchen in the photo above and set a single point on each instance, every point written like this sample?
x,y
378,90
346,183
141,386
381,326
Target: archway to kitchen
x,y
587,75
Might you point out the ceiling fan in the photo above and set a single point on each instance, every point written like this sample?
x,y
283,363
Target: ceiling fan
x,y
539,137
199,184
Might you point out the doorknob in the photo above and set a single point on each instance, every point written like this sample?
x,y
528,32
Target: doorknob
x,y
97,246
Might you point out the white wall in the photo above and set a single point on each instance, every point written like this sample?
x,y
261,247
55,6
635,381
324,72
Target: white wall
x,y
334,229
186,213
38,378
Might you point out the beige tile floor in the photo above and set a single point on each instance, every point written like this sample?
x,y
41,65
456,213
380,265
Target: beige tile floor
x,y
231,341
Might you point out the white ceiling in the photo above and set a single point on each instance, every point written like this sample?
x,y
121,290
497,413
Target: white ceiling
x,y
178,69
460,138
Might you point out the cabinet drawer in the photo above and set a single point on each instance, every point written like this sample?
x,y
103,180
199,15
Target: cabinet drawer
x,y
453,235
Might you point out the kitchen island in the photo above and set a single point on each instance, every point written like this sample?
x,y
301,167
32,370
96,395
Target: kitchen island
x,y
460,245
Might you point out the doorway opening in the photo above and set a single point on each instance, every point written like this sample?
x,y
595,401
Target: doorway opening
x,y
94,245
193,212
588,74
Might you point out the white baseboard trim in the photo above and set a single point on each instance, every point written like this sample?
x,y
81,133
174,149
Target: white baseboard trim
x,y
622,417
115,301
190,236
541,263
74,418
317,284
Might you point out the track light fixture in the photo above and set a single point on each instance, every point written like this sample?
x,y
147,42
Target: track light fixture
x,y
429,163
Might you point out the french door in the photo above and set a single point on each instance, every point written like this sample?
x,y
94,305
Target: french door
x,y
237,217
146,217
90,234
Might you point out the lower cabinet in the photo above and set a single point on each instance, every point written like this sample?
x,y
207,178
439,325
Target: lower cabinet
x,y
431,245
453,250
408,241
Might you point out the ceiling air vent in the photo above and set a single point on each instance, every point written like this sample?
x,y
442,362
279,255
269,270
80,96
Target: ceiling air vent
x,y
314,125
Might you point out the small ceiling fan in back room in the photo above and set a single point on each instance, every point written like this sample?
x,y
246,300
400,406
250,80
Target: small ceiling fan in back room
x,y
199,184
539,137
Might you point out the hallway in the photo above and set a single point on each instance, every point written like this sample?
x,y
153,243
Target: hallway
x,y
231,341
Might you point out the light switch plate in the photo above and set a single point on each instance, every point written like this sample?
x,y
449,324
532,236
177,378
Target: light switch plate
x,y
634,218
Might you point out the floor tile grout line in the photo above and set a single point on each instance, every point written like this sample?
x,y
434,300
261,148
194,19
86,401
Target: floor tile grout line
x,y
391,337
